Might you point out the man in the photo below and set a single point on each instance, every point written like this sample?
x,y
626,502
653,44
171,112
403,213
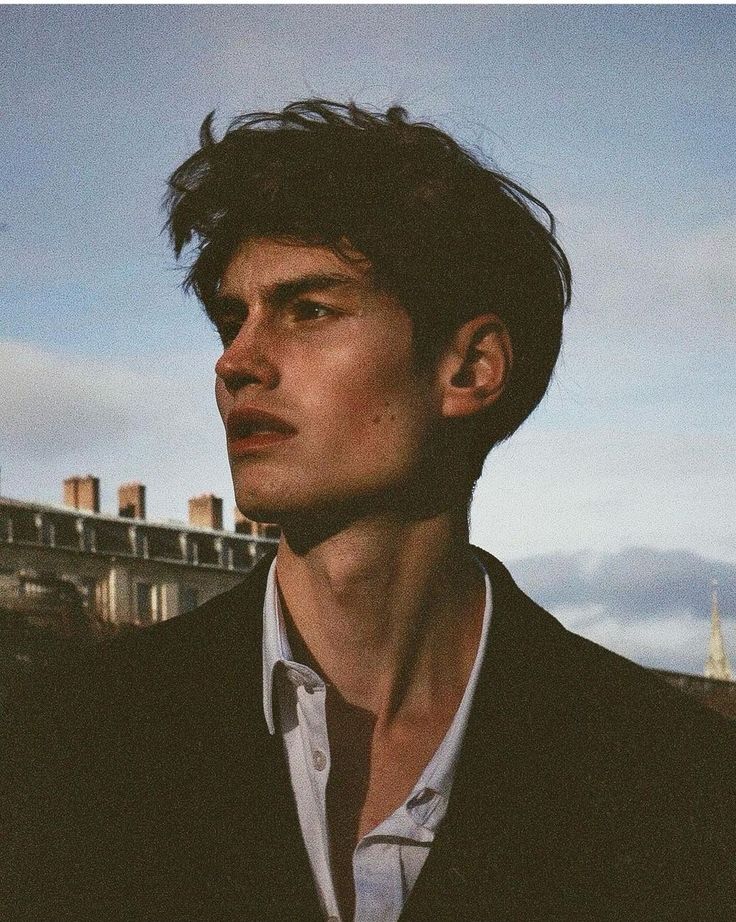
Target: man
x,y
377,724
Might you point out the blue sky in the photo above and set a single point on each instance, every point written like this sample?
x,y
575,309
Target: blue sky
x,y
620,118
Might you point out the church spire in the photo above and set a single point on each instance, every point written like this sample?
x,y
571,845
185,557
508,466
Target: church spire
x,y
716,666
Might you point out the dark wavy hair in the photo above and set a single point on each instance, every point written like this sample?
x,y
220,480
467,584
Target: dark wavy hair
x,y
447,234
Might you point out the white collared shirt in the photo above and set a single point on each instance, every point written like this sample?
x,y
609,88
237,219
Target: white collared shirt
x,y
386,861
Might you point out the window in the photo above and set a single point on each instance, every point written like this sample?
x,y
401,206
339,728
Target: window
x,y
25,526
189,598
243,555
102,600
164,544
206,550
112,538
88,590
61,531
147,603
6,528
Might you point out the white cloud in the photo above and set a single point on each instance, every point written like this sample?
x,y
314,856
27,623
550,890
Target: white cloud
x,y
641,271
676,642
648,604
607,488
51,404
64,415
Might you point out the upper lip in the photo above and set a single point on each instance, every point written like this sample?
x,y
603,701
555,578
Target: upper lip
x,y
243,421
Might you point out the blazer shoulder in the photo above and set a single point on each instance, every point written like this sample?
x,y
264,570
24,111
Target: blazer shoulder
x,y
600,688
149,668
194,633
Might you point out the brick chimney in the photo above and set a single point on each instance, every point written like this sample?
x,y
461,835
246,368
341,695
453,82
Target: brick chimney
x,y
82,493
205,511
243,526
132,501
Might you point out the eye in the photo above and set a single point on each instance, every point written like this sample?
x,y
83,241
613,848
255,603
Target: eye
x,y
311,310
227,329
227,316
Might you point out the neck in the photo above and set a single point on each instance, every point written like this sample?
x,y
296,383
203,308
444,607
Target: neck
x,y
388,611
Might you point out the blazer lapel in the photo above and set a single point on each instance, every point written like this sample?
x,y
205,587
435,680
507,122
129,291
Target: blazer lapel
x,y
492,827
244,856
263,857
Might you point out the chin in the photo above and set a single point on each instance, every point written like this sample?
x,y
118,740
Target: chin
x,y
295,513
325,503
269,505
259,510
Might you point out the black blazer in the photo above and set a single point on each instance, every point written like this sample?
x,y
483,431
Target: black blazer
x,y
150,789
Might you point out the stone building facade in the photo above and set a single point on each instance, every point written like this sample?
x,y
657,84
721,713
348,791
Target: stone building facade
x,y
127,570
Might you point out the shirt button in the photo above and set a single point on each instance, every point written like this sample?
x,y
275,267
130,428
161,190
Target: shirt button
x,y
423,797
319,759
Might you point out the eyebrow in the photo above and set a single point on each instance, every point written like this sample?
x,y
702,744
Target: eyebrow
x,y
281,293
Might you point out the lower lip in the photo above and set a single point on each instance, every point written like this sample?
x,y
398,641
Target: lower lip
x,y
256,441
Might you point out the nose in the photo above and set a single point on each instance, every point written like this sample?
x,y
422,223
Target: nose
x,y
248,360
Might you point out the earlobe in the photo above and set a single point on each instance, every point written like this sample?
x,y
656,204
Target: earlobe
x,y
476,366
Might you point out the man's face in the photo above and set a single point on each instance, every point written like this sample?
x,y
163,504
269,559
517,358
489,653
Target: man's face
x,y
317,388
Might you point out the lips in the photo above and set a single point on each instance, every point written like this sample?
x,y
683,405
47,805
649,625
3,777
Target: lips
x,y
250,429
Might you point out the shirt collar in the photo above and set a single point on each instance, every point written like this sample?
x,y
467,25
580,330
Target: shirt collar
x,y
276,647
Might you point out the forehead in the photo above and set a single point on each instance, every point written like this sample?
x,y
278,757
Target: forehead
x,y
262,263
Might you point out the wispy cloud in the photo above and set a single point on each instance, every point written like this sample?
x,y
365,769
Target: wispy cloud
x,y
649,604
606,487
640,269
637,581
63,414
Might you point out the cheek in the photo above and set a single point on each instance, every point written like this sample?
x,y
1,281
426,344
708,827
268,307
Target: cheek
x,y
381,408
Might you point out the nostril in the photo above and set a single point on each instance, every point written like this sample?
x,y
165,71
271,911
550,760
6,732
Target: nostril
x,y
226,371
248,359
237,372
235,380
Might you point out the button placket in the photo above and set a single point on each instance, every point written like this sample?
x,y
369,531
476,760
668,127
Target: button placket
x,y
316,745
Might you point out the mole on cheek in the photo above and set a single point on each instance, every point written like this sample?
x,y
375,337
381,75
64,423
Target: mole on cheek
x,y
377,418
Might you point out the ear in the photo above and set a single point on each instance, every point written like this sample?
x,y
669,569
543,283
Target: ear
x,y
474,367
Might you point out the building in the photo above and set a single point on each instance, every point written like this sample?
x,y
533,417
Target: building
x,y
44,603
717,665
719,694
715,687
127,570
205,511
244,526
82,492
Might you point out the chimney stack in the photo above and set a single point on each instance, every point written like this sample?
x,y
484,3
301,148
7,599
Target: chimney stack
x,y
205,511
243,526
132,501
82,493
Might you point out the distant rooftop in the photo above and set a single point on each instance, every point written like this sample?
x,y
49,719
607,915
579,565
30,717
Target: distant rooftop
x,y
178,524
82,531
